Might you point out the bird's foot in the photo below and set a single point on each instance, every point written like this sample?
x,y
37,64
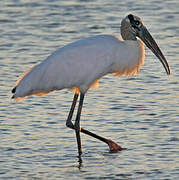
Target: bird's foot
x,y
114,147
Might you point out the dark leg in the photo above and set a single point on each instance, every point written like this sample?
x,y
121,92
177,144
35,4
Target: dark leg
x,y
112,145
69,119
77,124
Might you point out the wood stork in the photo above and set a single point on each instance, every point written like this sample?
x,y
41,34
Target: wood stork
x,y
79,65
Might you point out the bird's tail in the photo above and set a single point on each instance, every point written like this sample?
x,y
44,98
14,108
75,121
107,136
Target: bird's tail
x,y
19,91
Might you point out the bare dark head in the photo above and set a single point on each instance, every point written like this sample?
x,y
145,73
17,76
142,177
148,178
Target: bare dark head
x,y
130,26
133,27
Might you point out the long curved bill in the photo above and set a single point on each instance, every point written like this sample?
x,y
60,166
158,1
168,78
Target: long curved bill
x,y
146,37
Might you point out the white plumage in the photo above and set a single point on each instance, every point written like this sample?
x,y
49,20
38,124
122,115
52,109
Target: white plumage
x,y
79,65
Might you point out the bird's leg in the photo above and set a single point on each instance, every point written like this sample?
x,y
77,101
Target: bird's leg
x,y
77,124
69,119
112,145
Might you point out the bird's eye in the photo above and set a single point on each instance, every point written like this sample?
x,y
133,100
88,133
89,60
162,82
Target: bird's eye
x,y
137,23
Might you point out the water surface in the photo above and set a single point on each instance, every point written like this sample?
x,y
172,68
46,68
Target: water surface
x,y
140,113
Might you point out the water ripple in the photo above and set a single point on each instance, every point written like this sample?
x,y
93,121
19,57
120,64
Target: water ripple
x,y
140,113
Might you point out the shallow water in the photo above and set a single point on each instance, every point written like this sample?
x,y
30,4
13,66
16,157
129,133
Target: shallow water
x,y
140,113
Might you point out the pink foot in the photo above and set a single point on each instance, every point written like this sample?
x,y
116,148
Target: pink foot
x,y
113,146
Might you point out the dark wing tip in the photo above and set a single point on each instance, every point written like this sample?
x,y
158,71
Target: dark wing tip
x,y
13,90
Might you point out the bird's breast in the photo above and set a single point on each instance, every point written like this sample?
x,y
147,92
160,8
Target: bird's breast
x,y
129,58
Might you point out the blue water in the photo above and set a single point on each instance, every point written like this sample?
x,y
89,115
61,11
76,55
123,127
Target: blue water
x,y
140,113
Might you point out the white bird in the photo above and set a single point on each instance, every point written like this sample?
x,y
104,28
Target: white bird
x,y
79,65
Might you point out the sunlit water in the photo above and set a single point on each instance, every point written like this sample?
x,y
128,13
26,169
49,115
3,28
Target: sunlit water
x,y
140,113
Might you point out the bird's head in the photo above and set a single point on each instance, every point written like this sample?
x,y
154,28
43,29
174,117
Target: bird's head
x,y
133,27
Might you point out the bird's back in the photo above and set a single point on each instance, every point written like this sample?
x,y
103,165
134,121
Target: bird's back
x,y
77,65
